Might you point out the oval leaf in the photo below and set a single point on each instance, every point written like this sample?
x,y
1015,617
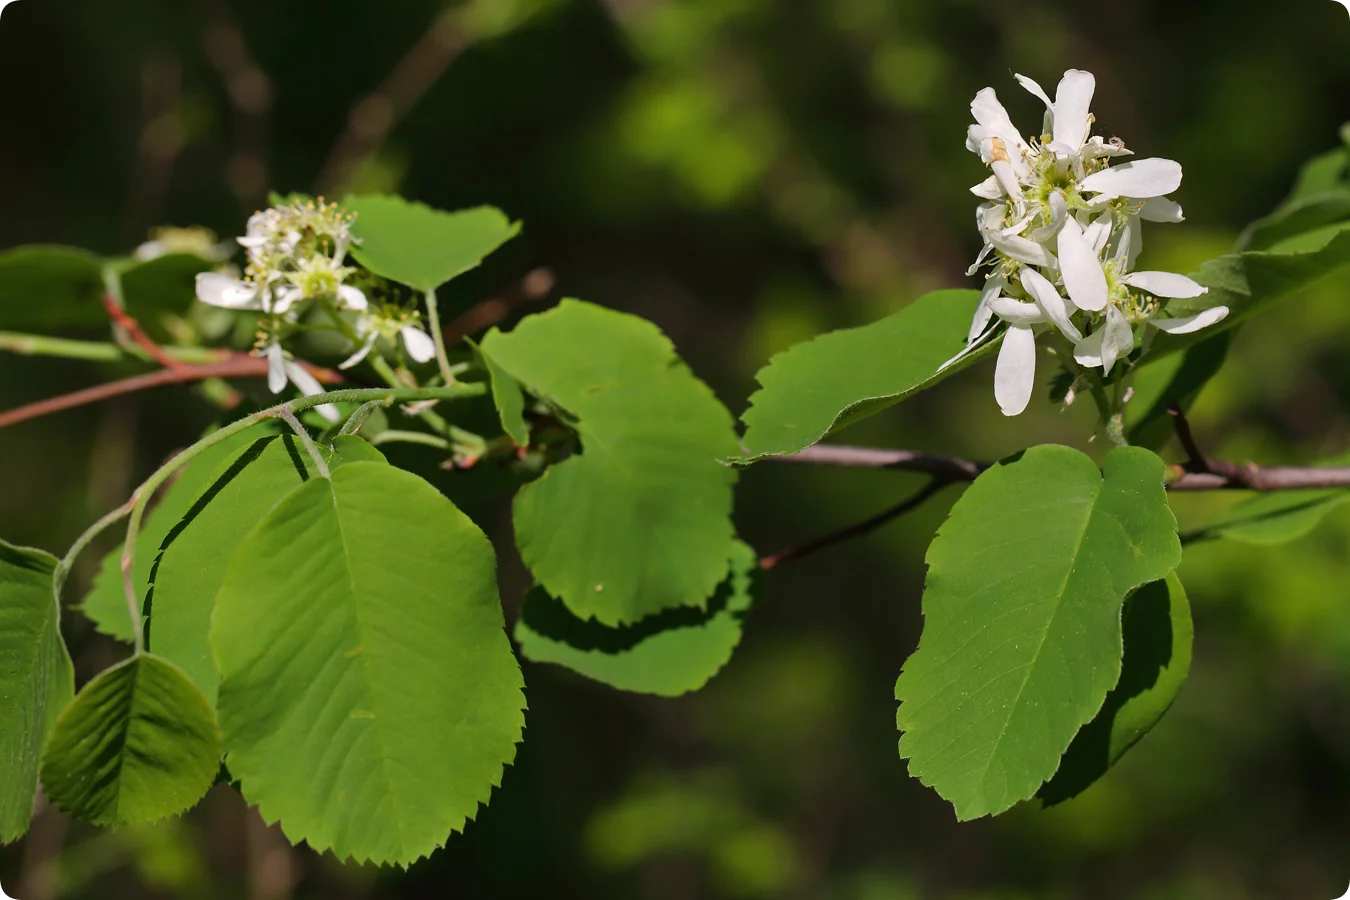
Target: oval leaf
x,y
47,287
37,680
819,387
416,245
369,696
138,744
1159,637
670,653
640,519
194,556
1022,634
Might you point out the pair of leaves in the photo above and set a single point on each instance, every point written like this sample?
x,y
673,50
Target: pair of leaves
x,y
669,653
1022,636
50,287
349,631
639,519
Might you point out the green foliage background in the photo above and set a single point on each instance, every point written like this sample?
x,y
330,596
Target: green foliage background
x,y
746,174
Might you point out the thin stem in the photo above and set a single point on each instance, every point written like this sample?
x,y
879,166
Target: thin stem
x,y
239,365
95,351
133,330
382,368
393,436
62,570
434,320
937,483
301,432
357,420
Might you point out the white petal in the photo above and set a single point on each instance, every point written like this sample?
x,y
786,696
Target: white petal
x,y
1017,313
966,351
252,240
988,189
1099,232
309,386
276,369
989,112
1022,249
1007,177
1061,149
1050,302
1098,148
223,291
360,354
984,254
1117,338
1073,100
284,297
984,312
1015,374
1059,210
1187,324
350,297
419,344
1131,244
1165,284
1036,89
1161,209
1139,180
1084,279
1088,351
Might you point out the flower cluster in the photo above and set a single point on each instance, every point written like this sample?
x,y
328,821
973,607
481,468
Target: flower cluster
x,y
296,254
1062,229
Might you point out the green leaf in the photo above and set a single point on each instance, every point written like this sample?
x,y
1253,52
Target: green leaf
x,y
1176,380
1277,517
1158,636
1246,282
138,744
1022,633
639,520
37,680
508,398
369,697
1297,217
416,245
45,287
193,557
670,653
166,284
106,602
819,387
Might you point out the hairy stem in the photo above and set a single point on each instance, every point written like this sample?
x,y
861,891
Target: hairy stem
x,y
434,321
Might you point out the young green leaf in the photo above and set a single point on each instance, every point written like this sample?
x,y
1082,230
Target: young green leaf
x,y
1246,282
37,680
193,557
819,387
47,287
670,653
106,602
416,245
1178,379
1274,518
640,519
1022,634
369,696
138,744
1158,636
508,398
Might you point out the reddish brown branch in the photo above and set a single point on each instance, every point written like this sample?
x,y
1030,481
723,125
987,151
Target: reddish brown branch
x,y
236,365
137,334
1220,475
531,289
862,528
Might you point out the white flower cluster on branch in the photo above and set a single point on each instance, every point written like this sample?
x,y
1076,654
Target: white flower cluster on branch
x,y
296,254
1062,230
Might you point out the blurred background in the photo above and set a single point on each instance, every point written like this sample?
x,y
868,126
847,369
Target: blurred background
x,y
747,174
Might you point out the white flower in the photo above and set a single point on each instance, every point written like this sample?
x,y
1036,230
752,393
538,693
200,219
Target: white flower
x,y
417,342
281,370
223,291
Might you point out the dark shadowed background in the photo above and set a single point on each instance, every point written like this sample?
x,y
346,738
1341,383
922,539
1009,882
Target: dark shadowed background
x,y
746,173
